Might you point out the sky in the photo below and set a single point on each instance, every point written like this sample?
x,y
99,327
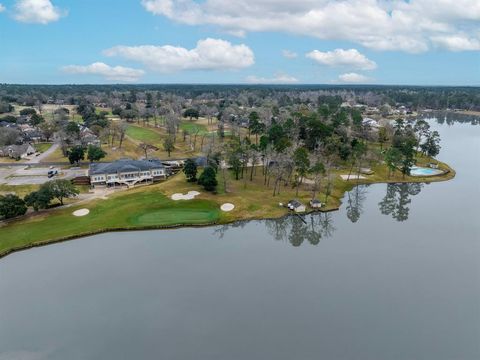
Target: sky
x,y
392,42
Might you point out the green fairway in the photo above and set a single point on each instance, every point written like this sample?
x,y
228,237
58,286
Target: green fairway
x,y
142,134
192,128
139,208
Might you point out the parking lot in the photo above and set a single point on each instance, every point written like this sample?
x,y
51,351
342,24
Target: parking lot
x,y
36,175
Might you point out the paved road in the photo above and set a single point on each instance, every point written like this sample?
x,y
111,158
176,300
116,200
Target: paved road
x,y
45,154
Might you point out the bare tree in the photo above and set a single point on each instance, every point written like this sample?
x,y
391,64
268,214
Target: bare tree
x,y
122,130
147,148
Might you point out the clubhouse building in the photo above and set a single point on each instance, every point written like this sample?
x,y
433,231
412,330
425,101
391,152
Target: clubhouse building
x,y
126,172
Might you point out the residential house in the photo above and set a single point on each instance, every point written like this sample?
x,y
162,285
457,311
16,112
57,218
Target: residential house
x,y
17,151
34,136
87,137
31,133
126,172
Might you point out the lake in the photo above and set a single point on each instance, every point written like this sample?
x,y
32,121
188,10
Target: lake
x,y
395,274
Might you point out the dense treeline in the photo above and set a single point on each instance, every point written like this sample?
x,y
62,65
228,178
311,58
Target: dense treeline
x,y
415,97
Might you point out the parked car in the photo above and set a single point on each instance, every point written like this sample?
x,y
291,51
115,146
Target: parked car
x,y
52,173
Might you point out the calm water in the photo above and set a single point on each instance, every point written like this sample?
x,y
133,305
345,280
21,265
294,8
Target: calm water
x,y
395,274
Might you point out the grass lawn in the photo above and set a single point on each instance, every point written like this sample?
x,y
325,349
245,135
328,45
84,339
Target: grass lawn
x,y
144,135
56,156
42,147
138,208
99,110
19,190
192,127
6,160
156,136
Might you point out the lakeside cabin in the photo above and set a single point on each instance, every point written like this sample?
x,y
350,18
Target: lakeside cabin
x,y
126,172
296,206
315,204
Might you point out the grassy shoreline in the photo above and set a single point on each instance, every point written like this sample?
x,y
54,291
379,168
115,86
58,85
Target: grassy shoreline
x,y
150,207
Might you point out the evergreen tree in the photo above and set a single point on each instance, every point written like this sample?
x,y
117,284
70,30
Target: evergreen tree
x,y
95,153
39,199
208,179
60,189
11,206
76,154
190,170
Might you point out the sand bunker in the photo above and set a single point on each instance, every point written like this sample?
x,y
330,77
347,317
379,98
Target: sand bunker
x,y
352,177
188,196
227,207
81,212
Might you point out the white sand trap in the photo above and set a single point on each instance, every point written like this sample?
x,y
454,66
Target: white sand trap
x,y
81,212
227,207
352,177
177,196
188,196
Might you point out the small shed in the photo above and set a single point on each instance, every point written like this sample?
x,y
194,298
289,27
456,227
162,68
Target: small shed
x,y
296,206
315,204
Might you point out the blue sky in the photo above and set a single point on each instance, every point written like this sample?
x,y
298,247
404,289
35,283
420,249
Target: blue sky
x,y
215,41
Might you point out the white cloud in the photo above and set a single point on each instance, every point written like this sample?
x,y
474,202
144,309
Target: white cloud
x,y
112,73
353,78
350,58
277,79
289,54
2,8
405,25
37,11
457,42
209,54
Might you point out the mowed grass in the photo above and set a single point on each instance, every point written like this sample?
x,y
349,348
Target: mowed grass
x,y
143,134
192,127
134,209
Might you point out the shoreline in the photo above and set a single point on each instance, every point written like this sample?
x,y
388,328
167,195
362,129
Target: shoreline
x,y
448,175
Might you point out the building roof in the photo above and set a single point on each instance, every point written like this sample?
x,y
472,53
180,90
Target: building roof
x,y
17,149
295,203
124,165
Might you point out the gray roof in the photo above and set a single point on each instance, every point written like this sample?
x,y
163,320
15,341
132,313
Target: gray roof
x,y
295,203
124,165
16,149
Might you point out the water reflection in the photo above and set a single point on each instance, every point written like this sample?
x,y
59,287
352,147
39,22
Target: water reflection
x,y
298,230
449,118
355,201
293,229
396,200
